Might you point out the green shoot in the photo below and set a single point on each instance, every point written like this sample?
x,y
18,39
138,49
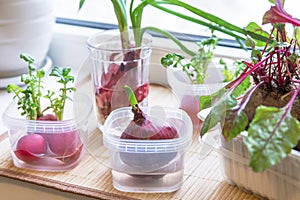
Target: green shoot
x,y
131,97
136,13
230,74
196,68
57,104
28,98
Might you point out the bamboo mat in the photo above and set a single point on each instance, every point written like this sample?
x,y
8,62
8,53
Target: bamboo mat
x,y
92,177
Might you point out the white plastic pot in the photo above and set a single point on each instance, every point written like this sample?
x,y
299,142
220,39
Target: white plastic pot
x,y
26,26
278,182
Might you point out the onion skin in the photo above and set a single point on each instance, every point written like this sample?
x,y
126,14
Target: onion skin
x,y
142,128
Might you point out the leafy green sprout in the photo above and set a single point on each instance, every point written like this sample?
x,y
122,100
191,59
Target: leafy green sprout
x,y
28,98
196,67
230,74
58,103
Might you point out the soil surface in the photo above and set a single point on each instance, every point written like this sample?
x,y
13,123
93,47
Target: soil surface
x,y
272,97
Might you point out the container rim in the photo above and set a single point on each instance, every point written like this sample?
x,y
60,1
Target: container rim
x,y
10,120
145,44
148,146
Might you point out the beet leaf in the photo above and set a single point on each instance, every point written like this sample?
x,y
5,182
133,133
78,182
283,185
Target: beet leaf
x,y
208,100
235,122
272,134
277,14
218,113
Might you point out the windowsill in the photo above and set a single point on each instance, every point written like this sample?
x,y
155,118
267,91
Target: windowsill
x,y
69,49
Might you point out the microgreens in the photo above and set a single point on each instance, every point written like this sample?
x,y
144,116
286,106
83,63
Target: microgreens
x,y
29,97
58,103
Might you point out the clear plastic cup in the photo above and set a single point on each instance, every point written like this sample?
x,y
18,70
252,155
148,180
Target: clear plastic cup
x,y
114,65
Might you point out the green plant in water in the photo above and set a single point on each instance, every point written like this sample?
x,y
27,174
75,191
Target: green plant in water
x,y
196,67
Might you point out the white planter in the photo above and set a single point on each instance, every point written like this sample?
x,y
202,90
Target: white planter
x,y
278,182
26,26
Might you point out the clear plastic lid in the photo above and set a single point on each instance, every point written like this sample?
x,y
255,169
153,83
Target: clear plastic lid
x,y
77,112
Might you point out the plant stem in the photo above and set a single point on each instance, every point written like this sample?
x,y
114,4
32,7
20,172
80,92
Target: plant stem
x,y
120,12
172,37
224,26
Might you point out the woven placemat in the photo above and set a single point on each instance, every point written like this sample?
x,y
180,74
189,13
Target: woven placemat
x,y
92,177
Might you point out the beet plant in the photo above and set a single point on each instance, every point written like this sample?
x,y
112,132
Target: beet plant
x,y
268,111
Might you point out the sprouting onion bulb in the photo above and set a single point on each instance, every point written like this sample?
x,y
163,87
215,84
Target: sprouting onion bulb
x,y
142,127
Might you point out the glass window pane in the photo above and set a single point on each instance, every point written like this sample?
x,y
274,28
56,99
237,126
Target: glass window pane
x,y
238,12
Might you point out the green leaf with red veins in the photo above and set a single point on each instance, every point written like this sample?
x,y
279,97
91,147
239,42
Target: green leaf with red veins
x,y
208,100
235,122
271,136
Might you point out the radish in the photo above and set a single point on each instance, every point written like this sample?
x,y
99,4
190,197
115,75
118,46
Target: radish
x,y
63,144
47,117
30,147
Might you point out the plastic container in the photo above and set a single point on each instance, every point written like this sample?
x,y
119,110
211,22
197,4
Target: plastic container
x,y
112,67
147,165
189,94
49,145
278,182
281,181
